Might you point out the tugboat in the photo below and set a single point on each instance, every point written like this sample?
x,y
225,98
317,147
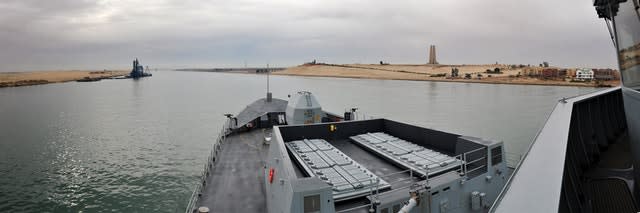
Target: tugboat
x,y
292,156
138,71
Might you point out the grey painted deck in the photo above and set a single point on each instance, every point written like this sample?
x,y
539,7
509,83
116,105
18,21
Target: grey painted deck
x,y
236,184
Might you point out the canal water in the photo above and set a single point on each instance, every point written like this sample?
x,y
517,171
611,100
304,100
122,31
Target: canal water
x,y
139,146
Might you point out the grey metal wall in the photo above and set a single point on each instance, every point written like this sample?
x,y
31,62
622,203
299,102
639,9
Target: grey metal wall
x,y
632,107
433,139
286,192
344,130
596,123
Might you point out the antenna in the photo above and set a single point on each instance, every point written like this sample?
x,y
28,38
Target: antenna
x,y
268,93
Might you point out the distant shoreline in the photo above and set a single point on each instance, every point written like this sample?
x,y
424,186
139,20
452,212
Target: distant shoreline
x,y
444,80
358,71
427,73
17,79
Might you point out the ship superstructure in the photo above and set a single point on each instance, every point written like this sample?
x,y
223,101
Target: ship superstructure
x,y
291,156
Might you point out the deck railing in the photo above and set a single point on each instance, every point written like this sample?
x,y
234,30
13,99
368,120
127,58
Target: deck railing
x,y
358,116
217,145
513,159
374,187
466,161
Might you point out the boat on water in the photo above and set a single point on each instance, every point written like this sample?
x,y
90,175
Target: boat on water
x,y
292,156
586,158
138,71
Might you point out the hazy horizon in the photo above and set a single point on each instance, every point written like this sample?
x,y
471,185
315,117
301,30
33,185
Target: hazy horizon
x,y
74,34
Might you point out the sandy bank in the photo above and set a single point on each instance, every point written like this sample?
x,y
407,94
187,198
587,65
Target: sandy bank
x,y
14,79
428,73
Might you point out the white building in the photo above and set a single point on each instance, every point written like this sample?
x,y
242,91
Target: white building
x,y
584,74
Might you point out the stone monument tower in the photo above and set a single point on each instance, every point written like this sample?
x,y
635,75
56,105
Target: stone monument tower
x,y
432,55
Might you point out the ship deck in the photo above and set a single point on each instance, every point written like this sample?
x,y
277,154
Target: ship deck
x,y
236,184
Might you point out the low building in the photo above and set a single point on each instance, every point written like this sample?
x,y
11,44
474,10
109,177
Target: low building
x,y
562,73
605,74
549,73
584,74
532,72
571,73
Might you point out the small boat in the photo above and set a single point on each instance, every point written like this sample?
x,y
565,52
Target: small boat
x,y
88,79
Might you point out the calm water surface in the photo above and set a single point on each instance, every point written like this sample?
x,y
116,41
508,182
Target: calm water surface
x,y
133,146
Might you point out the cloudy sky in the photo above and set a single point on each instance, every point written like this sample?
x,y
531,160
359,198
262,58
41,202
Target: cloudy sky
x,y
94,34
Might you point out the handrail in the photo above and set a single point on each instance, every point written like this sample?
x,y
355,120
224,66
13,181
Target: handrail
x,y
466,163
475,150
358,116
222,135
354,208
462,164
476,160
359,181
479,167
512,158
374,185
399,188
401,180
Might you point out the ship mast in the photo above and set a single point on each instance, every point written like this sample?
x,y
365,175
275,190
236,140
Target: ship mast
x,y
268,93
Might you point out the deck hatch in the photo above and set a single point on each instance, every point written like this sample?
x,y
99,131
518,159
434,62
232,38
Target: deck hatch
x,y
407,154
348,178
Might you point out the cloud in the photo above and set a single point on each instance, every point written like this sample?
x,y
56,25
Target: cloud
x,y
75,34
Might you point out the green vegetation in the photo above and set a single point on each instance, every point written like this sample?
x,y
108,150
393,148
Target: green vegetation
x,y
455,72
